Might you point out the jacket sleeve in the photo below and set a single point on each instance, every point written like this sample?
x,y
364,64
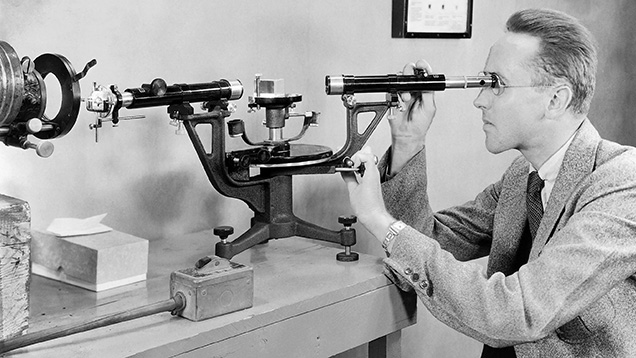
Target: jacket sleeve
x,y
591,251
465,230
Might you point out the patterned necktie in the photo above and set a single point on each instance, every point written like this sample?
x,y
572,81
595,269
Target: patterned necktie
x,y
533,202
535,213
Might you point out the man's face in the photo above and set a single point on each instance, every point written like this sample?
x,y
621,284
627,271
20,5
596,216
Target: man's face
x,y
511,119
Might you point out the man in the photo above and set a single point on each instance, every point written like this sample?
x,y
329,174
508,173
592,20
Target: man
x,y
558,285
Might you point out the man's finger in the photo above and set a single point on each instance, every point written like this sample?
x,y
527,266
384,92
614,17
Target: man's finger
x,y
350,181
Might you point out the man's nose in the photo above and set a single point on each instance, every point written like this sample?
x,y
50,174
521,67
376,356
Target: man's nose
x,y
481,101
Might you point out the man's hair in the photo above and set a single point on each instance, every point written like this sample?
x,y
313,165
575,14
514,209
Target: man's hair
x,y
567,52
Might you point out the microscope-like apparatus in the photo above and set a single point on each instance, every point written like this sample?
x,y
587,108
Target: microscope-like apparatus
x,y
261,175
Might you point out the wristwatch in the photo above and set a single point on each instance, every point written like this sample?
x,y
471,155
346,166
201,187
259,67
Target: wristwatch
x,y
394,230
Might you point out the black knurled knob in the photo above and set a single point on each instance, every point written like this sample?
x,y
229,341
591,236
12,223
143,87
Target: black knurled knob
x,y
347,220
223,231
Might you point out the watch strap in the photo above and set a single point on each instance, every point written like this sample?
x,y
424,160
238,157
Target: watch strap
x,y
394,231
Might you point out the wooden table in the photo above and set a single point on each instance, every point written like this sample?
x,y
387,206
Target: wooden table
x,y
305,304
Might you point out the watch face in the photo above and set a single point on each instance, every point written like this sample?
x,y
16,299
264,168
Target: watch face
x,y
397,226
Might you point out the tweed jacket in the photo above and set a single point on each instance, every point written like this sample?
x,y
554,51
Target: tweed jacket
x,y
576,296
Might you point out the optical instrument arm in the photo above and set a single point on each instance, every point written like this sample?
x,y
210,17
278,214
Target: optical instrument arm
x,y
393,83
107,102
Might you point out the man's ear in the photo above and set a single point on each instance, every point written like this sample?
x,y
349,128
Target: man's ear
x,y
560,101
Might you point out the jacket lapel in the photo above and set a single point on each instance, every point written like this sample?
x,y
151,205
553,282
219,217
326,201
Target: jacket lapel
x,y
578,162
510,220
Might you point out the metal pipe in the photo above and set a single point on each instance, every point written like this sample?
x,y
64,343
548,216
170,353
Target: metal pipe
x,y
174,304
393,83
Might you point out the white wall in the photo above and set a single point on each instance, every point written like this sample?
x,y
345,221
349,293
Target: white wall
x,y
149,180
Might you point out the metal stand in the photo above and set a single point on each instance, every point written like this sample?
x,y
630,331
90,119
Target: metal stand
x,y
269,194
261,175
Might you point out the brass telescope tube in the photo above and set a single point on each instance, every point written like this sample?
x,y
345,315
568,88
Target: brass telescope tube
x,y
393,83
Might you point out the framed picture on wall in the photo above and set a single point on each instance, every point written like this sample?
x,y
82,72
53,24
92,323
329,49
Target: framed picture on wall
x,y
432,18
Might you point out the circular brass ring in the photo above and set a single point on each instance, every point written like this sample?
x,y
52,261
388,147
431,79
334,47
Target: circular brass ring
x,y
59,66
11,84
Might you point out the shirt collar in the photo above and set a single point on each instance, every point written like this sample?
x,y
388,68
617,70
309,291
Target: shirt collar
x,y
550,169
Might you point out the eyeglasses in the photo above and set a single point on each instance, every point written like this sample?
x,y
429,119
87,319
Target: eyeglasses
x,y
498,86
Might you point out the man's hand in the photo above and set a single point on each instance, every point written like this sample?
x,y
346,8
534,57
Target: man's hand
x,y
365,194
409,127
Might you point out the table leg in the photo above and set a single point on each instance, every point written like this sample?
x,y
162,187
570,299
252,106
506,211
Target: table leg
x,y
389,346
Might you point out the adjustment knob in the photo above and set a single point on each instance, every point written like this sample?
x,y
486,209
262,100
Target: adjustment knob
x,y
223,232
33,125
347,220
236,128
158,87
264,156
43,149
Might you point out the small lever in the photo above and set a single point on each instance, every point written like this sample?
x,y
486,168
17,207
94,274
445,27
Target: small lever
x,y
210,264
43,149
88,66
348,167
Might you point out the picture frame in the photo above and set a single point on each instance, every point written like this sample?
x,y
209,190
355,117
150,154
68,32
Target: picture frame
x,y
432,18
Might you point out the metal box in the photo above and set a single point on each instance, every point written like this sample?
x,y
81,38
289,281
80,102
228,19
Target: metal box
x,y
219,288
